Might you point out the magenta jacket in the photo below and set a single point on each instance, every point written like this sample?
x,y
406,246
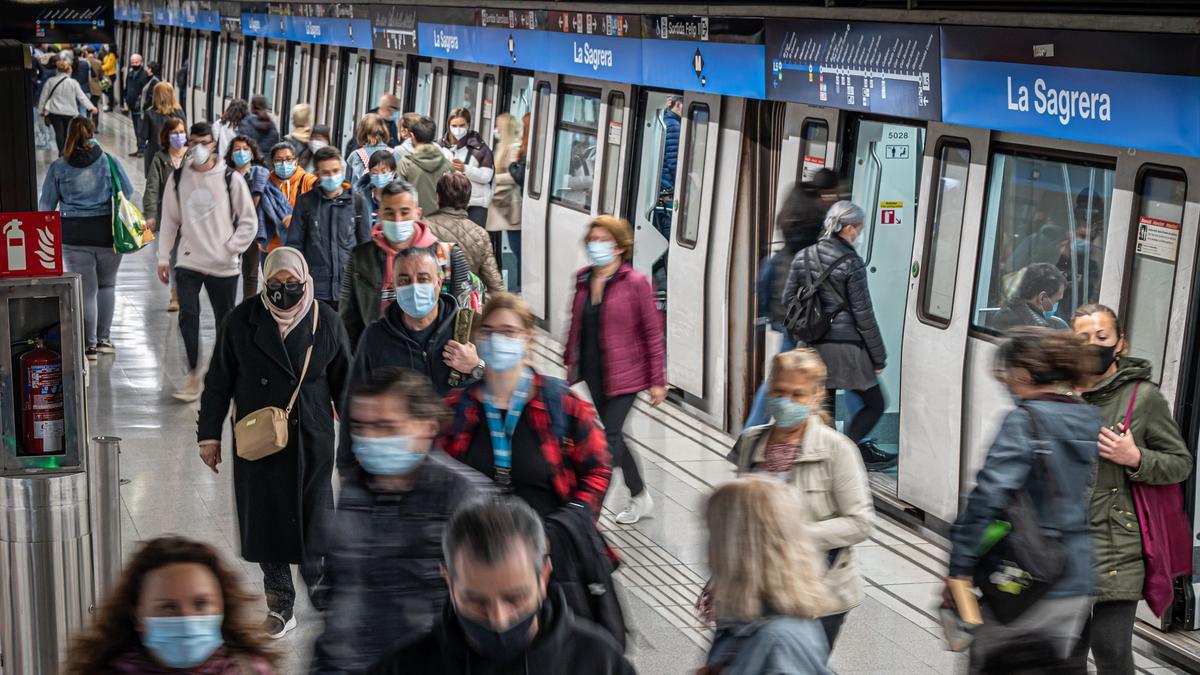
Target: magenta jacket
x,y
631,333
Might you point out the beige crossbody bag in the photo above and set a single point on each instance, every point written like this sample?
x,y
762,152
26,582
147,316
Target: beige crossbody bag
x,y
264,432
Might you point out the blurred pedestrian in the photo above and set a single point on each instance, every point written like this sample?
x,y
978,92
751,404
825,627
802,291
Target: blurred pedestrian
x,y
502,616
172,139
405,145
471,156
178,607
387,110
1044,451
135,81
145,102
615,345
800,448
372,136
391,511
317,139
300,132
60,102
226,128
163,106
451,223
767,588
269,202
280,349
259,124
504,215
108,67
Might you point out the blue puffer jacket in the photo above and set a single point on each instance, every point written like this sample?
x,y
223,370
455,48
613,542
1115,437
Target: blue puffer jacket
x,y
81,185
1068,430
670,150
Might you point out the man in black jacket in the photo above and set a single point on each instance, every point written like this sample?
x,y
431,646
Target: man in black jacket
x,y
500,618
326,226
135,82
391,511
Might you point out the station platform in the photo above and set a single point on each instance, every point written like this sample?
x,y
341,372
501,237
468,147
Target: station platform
x,y
166,489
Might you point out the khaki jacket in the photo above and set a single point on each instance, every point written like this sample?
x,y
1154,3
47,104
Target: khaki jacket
x,y
832,481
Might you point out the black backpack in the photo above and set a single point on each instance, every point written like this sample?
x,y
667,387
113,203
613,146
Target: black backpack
x,y
806,319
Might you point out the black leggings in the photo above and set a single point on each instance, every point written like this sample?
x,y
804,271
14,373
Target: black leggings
x,y
1109,634
59,124
613,412
222,294
866,419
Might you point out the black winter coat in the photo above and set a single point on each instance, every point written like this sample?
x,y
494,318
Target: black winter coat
x,y
383,555
135,82
326,231
279,497
263,131
854,323
563,645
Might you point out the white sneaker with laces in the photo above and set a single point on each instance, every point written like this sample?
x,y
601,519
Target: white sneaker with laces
x,y
192,387
276,623
639,507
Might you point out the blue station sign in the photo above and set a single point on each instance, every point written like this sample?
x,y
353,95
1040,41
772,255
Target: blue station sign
x,y
715,55
315,30
1124,89
188,17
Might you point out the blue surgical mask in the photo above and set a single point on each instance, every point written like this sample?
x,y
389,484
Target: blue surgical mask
x,y
1052,311
501,353
786,412
242,157
387,456
600,253
285,169
380,180
332,183
417,300
95,142
397,230
395,116
182,641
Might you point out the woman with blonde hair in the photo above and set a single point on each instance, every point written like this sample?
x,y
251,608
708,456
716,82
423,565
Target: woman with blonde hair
x,y
800,448
505,212
60,100
616,345
163,106
301,133
372,136
766,589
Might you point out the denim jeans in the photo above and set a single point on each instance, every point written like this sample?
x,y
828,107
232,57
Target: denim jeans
x,y
758,411
97,266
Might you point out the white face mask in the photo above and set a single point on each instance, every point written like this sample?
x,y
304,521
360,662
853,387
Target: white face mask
x,y
458,132
200,155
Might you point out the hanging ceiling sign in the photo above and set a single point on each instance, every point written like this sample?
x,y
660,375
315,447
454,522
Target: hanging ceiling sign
x,y
889,69
395,28
707,54
314,30
71,21
1127,89
188,16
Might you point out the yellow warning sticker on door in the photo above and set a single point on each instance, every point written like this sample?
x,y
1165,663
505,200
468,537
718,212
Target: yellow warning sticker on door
x,y
891,205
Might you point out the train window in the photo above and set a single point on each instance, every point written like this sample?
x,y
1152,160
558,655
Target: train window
x,y
464,89
231,63
1043,242
520,89
199,72
533,158
816,143
693,180
613,134
945,232
397,86
487,114
269,74
349,103
299,73
1155,249
574,167
423,96
381,80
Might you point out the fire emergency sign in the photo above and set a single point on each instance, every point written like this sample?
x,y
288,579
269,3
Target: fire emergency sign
x,y
32,244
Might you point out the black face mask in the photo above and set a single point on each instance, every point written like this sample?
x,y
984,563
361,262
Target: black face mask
x,y
285,296
1104,355
500,646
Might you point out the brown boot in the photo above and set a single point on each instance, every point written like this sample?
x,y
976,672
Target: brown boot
x,y
173,303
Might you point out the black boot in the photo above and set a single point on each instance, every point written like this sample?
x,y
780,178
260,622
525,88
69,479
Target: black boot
x,y
874,458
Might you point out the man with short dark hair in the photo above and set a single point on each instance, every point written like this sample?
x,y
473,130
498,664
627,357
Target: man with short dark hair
x,y
326,227
208,207
145,103
1035,302
501,618
425,165
390,515
135,83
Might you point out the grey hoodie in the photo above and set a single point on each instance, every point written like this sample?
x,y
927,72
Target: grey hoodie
x,y
214,225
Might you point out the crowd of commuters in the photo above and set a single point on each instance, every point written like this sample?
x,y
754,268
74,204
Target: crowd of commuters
x,y
375,332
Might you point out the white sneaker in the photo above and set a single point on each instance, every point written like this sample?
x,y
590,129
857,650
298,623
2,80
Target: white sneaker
x,y
192,387
275,627
639,507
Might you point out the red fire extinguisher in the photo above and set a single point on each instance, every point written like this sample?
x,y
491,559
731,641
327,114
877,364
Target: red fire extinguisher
x,y
42,401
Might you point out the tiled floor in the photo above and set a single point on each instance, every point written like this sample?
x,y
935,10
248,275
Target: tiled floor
x,y
169,490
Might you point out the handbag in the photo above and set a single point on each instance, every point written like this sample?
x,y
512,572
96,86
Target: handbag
x,y
1015,571
264,432
1166,534
129,227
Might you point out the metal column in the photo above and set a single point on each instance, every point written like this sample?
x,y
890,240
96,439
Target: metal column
x,y
104,495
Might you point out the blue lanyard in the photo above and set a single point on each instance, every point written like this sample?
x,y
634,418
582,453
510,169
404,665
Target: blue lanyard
x,y
502,430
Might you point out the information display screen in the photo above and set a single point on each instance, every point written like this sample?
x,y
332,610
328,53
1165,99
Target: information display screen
x,y
72,21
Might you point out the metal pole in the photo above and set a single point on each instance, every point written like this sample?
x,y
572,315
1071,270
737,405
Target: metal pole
x,y
104,497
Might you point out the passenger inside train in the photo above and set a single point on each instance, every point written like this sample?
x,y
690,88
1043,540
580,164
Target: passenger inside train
x,y
556,340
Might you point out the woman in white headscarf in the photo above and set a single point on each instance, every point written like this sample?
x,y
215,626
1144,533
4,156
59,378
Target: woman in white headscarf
x,y
283,349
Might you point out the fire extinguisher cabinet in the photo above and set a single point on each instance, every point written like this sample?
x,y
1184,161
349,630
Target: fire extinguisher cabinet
x,y
47,557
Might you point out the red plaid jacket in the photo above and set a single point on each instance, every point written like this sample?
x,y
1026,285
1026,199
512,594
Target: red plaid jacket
x,y
580,461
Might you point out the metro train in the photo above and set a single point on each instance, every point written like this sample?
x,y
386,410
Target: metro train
x,y
971,139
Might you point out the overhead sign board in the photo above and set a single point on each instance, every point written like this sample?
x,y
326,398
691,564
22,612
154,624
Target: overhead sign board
x,y
395,27
188,16
315,30
716,55
888,69
1124,89
55,21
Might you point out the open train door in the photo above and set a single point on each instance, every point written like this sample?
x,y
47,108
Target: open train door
x,y
938,312
685,294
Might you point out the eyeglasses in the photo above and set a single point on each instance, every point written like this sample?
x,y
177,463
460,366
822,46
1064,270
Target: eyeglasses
x,y
289,286
514,333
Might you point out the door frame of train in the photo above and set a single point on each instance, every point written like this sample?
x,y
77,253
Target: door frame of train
x,y
535,208
931,417
687,262
440,68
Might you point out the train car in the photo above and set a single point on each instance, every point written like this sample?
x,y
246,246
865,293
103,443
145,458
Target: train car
x,y
976,142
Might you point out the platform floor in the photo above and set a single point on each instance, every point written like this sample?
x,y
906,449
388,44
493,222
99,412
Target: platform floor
x,y
168,490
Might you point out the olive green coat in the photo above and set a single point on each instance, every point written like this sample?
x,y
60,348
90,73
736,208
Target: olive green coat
x,y
1116,535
